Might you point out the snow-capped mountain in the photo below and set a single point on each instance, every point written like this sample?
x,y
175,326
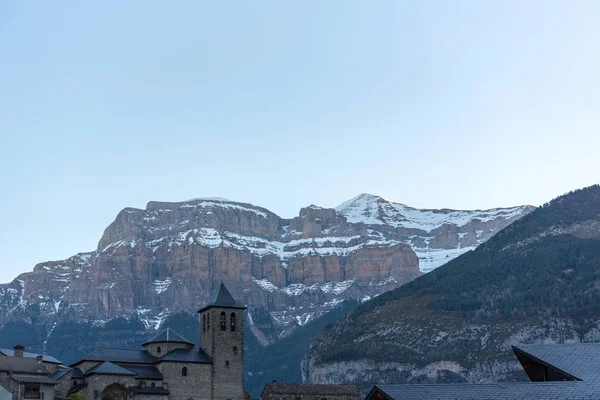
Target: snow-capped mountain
x,y
437,236
169,258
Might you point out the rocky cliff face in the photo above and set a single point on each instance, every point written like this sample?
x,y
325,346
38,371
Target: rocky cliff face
x,y
170,257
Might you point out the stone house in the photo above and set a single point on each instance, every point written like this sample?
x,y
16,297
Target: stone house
x,y
288,391
169,367
26,375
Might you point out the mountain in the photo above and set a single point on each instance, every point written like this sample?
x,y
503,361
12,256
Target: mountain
x,y
154,264
536,281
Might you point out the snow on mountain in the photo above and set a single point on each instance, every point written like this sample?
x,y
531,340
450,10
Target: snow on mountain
x,y
424,229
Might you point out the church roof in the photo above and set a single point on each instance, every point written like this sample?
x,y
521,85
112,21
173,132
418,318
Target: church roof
x,y
108,368
186,355
119,356
223,299
144,371
168,335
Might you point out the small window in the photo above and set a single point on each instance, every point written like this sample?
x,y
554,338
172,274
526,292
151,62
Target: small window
x,y
234,350
223,321
203,322
232,321
227,363
153,384
32,391
207,321
74,383
184,371
158,349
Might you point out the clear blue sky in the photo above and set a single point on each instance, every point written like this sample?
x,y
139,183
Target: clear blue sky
x,y
104,105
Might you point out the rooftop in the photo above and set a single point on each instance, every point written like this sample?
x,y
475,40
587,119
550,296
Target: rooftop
x,y
108,368
45,358
223,299
312,390
168,335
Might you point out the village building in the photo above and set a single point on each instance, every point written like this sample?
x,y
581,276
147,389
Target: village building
x,y
26,375
169,367
559,371
289,391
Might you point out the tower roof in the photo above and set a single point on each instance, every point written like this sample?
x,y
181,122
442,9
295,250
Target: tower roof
x,y
167,335
223,299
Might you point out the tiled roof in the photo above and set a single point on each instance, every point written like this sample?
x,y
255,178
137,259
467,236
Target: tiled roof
x,y
45,358
493,391
223,299
312,390
119,356
44,379
144,372
108,368
152,390
168,335
581,360
186,355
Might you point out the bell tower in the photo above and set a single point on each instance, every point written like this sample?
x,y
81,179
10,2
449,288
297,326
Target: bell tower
x,y
222,338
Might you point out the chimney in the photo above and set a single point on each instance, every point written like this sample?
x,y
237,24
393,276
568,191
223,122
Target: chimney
x,y
18,350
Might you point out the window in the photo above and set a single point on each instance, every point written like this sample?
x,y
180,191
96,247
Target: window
x,y
232,321
74,383
203,322
158,349
153,384
32,391
207,321
235,350
223,321
184,371
227,364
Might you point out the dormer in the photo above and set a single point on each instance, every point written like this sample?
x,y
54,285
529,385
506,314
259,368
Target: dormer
x,y
165,342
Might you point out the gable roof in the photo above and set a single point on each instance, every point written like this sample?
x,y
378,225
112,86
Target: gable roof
x,y
56,375
168,336
108,368
311,390
119,356
186,355
26,354
570,390
578,360
223,299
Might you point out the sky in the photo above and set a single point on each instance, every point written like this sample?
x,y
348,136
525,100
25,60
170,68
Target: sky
x,y
434,104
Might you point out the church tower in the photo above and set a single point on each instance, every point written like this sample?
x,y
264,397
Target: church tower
x,y
222,338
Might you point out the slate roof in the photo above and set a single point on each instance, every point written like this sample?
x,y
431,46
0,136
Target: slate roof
x,y
186,355
571,390
44,379
119,356
168,335
21,364
60,373
152,390
223,299
580,360
144,372
45,358
108,368
312,390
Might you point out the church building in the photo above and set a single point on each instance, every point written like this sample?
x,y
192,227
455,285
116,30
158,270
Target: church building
x,y
169,367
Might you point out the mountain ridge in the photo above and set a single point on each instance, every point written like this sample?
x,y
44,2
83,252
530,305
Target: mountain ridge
x,y
535,281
